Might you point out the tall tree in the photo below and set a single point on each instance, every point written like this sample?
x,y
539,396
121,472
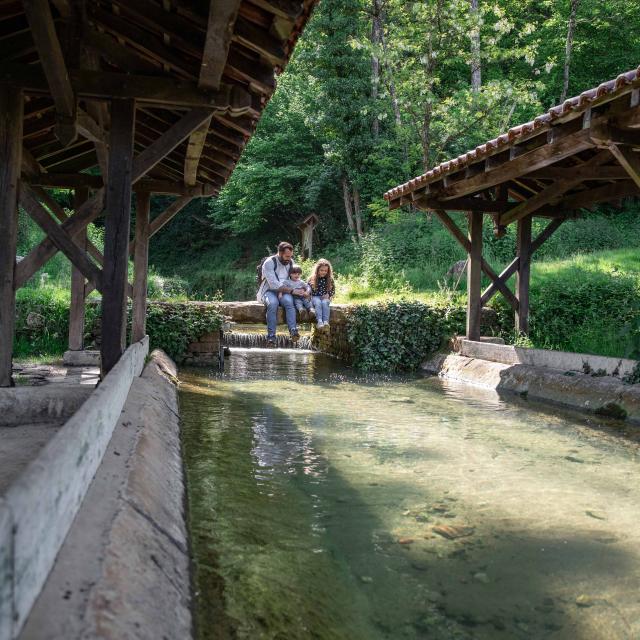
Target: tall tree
x,y
476,73
571,27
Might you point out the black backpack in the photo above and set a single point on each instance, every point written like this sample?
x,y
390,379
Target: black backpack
x,y
259,277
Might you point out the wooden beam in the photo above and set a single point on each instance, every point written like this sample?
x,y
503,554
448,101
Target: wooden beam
x,y
462,204
220,28
529,161
11,107
554,191
606,193
140,261
504,276
76,311
156,91
116,237
474,276
523,274
545,234
59,237
44,35
78,180
512,267
91,209
262,42
289,9
564,173
629,161
486,267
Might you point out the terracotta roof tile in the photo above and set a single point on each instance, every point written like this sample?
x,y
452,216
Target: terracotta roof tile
x,y
575,104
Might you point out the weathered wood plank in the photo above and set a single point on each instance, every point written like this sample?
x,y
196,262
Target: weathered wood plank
x,y
11,105
194,152
545,234
116,236
523,274
474,276
50,53
140,261
76,311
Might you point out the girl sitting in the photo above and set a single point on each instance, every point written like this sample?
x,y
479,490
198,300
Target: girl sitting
x,y
322,290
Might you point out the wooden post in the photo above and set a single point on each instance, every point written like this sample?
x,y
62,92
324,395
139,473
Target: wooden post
x,y
140,261
523,274
11,114
76,312
116,236
474,276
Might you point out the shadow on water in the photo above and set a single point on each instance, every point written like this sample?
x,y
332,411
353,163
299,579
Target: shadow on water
x,y
287,546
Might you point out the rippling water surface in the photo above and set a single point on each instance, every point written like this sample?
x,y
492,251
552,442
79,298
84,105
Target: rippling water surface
x,y
331,506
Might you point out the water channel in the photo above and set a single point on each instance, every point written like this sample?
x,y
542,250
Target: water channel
x,y
328,505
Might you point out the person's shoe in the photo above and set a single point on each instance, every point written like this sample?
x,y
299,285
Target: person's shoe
x,y
320,324
271,343
295,336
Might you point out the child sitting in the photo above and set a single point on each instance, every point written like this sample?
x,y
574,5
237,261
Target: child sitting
x,y
322,290
301,293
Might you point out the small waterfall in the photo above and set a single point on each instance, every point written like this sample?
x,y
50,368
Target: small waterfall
x,y
259,341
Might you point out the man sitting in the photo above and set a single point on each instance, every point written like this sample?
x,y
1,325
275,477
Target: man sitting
x,y
275,270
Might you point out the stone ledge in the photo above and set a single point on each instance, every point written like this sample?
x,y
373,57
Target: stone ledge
x,y
606,395
123,571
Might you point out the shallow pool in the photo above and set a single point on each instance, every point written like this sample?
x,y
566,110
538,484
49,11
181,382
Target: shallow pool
x,y
327,505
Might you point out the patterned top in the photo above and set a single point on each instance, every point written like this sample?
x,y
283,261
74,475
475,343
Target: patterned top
x,y
323,287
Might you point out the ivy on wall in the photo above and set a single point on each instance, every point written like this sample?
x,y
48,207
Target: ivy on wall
x,y
172,326
398,336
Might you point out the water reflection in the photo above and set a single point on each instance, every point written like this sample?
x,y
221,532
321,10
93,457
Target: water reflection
x,y
330,505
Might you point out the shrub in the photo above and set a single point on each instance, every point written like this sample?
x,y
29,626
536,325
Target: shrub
x,y
397,336
173,325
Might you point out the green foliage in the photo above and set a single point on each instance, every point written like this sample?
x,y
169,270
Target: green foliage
x,y
172,326
46,334
397,336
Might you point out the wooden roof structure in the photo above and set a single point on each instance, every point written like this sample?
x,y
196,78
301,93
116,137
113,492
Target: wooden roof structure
x,y
111,97
576,155
171,56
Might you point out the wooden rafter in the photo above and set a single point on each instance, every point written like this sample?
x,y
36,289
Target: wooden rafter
x,y
50,52
629,161
554,191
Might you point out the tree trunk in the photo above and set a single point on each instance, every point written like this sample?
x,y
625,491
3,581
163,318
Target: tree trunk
x,y
425,137
476,74
346,192
569,48
358,213
376,40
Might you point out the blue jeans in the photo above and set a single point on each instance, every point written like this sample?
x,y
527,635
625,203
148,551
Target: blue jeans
x,y
322,308
301,303
272,302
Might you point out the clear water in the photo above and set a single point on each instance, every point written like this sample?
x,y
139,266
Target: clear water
x,y
321,502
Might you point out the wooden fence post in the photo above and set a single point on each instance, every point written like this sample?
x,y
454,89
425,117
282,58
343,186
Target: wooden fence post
x,y
474,276
140,261
116,236
11,116
76,312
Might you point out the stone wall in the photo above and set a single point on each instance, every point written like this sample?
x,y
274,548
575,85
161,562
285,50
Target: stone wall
x,y
206,351
333,339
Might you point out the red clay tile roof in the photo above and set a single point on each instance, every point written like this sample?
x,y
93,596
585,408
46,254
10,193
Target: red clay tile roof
x,y
574,106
